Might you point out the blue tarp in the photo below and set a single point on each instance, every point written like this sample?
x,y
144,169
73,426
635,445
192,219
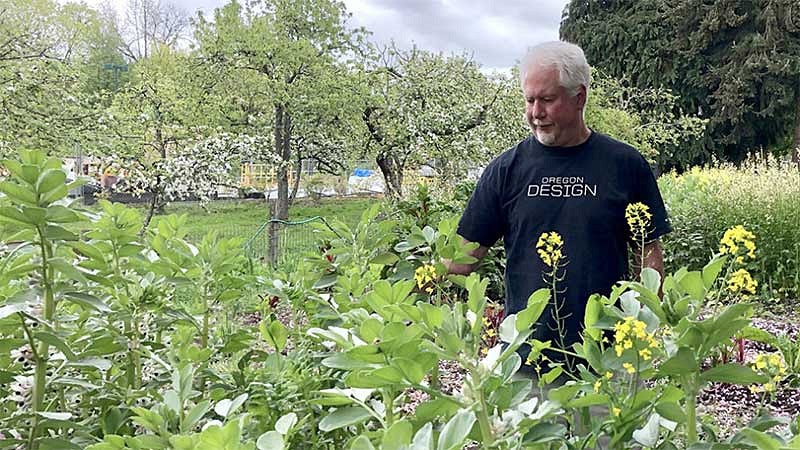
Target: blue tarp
x,y
362,172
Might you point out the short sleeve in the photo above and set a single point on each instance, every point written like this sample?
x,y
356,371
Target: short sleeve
x,y
483,219
646,191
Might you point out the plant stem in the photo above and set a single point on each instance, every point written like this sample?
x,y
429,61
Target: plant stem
x,y
388,402
41,356
435,375
483,418
691,413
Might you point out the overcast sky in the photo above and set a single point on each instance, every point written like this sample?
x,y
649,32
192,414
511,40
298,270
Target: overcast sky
x,y
494,33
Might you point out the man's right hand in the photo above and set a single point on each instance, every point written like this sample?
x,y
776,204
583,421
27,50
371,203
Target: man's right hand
x,y
466,269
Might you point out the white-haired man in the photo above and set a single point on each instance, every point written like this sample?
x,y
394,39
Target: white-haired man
x,y
565,178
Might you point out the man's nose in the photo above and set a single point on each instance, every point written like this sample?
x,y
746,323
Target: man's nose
x,y
538,110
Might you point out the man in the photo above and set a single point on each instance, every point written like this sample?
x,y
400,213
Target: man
x,y
565,178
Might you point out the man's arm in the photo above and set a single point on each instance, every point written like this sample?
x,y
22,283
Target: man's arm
x,y
653,258
466,269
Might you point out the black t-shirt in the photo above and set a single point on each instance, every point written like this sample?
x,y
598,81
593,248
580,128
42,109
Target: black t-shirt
x,y
579,192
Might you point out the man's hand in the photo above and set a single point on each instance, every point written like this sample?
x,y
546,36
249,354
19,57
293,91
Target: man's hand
x,y
466,269
653,258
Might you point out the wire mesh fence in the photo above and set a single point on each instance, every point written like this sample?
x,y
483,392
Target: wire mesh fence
x,y
278,241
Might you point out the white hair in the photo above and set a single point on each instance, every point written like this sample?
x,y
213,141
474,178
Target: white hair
x,y
568,59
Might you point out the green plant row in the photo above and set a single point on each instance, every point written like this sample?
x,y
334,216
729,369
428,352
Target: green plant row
x,y
765,199
111,341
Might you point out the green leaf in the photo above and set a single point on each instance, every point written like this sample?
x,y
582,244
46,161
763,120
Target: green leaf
x,y
87,301
97,363
62,416
271,440
16,168
62,214
430,410
56,233
275,334
692,283
671,411
648,434
54,195
195,414
544,432
57,444
456,430
285,423
398,436
588,400
49,180
61,265
651,279
761,440
712,270
34,215
682,363
18,194
412,370
423,440
343,417
56,342
7,310
10,212
362,443
592,315
386,259
734,374
537,302
227,407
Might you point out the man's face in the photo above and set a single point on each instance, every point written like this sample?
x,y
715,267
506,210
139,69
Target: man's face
x,y
555,117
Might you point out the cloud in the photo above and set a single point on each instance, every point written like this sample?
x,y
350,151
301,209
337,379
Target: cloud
x,y
495,34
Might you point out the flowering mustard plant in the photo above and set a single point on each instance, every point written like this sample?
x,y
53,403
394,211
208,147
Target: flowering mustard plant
x,y
549,246
639,218
424,276
741,283
738,242
631,334
771,366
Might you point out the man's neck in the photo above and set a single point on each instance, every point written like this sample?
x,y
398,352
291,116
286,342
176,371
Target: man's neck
x,y
580,137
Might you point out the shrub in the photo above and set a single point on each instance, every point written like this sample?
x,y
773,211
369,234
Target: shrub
x,y
765,198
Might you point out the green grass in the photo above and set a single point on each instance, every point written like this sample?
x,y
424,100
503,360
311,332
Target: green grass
x,y
243,217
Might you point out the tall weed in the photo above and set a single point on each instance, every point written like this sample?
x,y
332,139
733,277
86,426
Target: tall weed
x,y
763,195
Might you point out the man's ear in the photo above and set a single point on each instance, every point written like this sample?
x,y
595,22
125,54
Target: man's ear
x,y
581,97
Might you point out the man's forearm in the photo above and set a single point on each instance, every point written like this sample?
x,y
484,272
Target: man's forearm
x,y
654,257
466,269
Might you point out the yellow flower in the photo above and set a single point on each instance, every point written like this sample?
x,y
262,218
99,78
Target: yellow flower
x,y
638,216
772,366
597,385
619,349
425,274
549,247
629,368
616,411
645,354
609,375
734,238
740,282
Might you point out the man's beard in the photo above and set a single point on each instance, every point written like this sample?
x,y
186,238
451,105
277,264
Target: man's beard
x,y
545,138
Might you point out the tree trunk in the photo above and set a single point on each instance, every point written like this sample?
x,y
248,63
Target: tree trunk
x,y
283,148
296,186
392,175
796,142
